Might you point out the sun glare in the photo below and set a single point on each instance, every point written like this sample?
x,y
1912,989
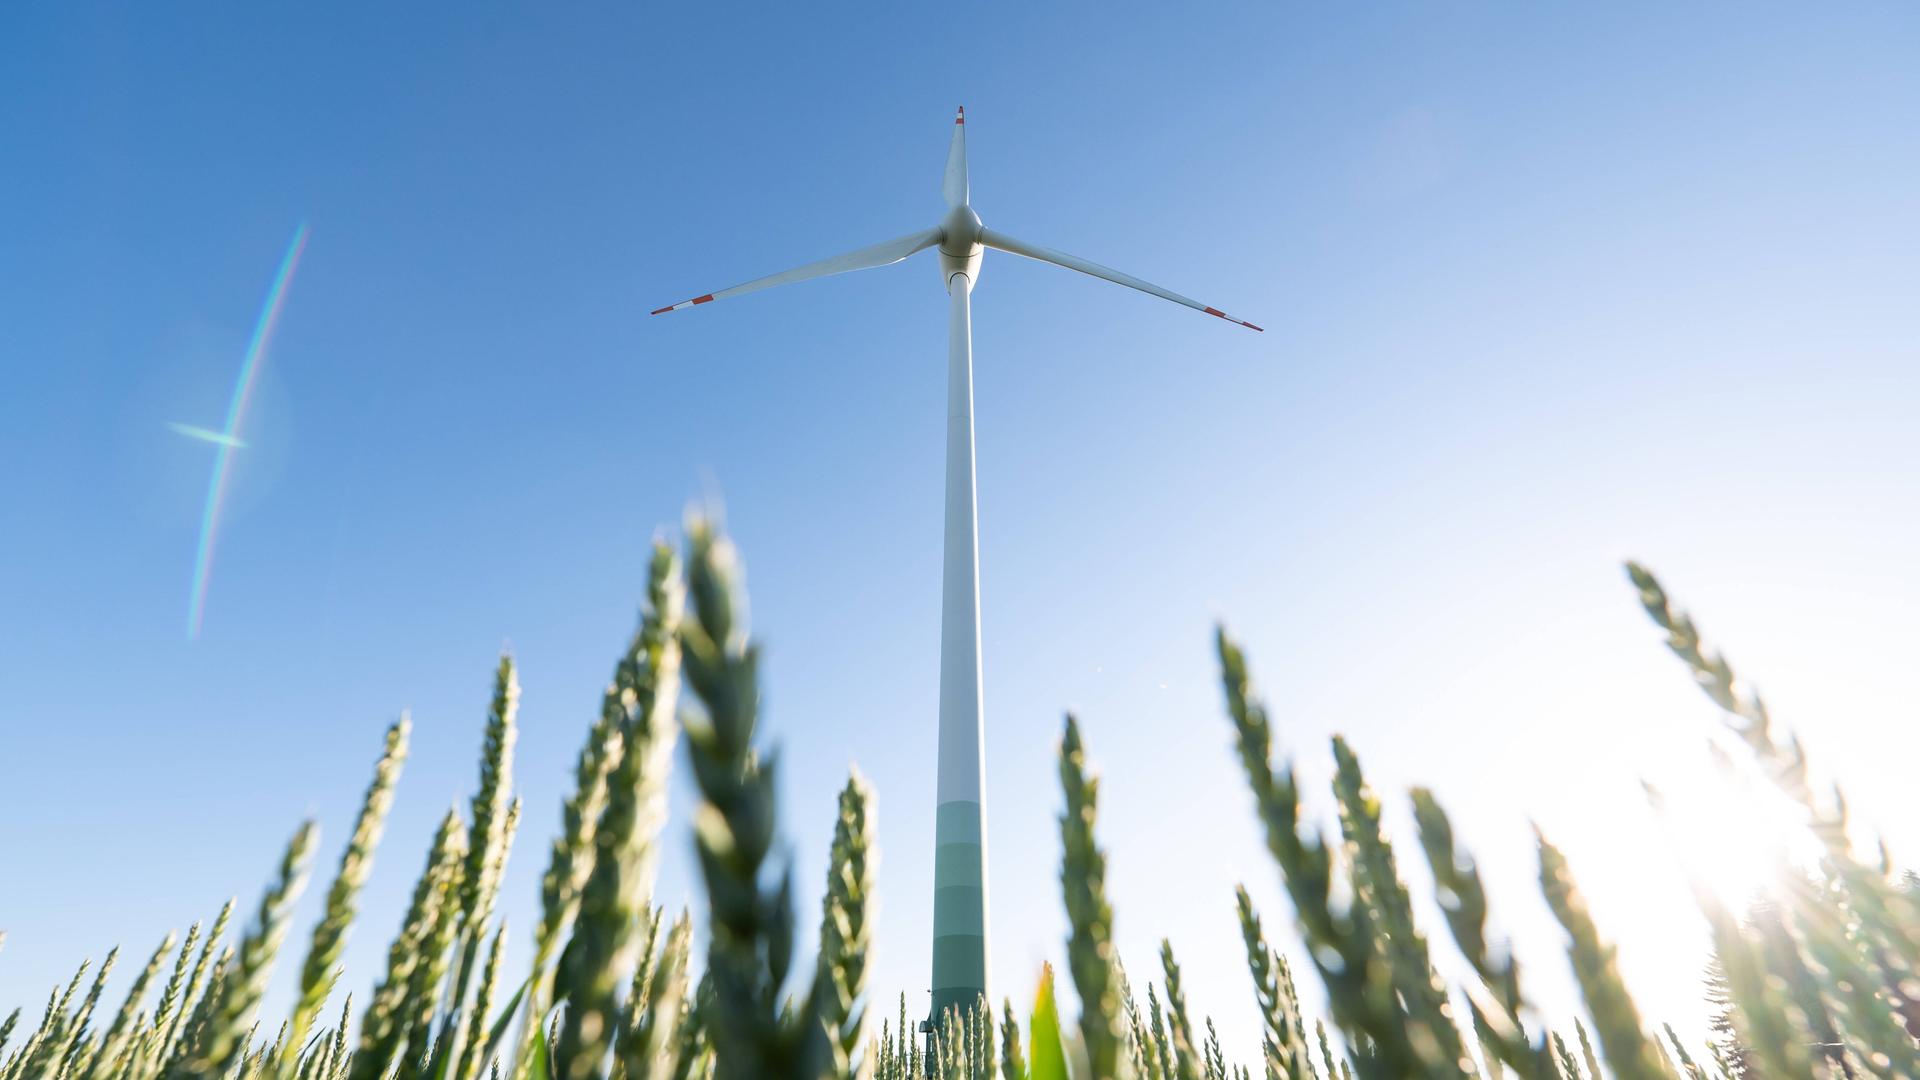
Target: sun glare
x,y
1735,839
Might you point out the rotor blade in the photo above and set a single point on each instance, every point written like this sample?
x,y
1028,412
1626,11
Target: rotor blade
x,y
865,259
955,186
1008,244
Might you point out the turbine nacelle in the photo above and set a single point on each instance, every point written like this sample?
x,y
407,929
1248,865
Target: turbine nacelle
x,y
961,246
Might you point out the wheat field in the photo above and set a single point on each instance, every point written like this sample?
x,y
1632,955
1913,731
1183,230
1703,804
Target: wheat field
x,y
1821,984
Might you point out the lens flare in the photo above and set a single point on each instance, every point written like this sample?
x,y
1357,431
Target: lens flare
x,y
228,439
218,438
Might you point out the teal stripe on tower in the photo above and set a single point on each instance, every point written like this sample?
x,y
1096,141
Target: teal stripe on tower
x,y
959,907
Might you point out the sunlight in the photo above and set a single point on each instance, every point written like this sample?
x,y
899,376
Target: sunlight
x,y
1735,838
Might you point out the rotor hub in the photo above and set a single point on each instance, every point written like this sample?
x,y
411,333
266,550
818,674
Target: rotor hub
x,y
960,232
960,244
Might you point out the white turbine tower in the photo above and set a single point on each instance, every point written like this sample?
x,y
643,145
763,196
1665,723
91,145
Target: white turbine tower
x,y
960,862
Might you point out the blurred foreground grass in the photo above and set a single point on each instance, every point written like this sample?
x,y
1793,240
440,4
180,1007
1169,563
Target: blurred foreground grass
x,y
1821,983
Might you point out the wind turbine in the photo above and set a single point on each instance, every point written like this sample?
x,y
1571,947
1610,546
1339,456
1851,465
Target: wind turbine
x,y
960,854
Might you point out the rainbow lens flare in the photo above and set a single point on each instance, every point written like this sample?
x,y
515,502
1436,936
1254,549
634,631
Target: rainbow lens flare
x,y
228,439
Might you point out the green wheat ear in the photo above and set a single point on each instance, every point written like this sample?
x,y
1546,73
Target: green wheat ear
x,y
1745,714
568,864
73,984
1286,1052
840,977
80,1043
168,1045
1216,1059
108,1055
646,957
336,1062
750,950
1623,1040
494,815
465,1068
384,1025
645,693
1496,1007
196,1024
68,1039
1381,898
423,990
224,1042
479,884
1344,946
170,995
1186,1049
1083,873
330,936
648,1046
1141,1051
1160,1064
1013,1063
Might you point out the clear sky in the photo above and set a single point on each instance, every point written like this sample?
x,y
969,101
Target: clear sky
x,y
1545,287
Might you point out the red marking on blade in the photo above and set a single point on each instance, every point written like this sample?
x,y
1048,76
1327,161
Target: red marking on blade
x,y
1250,326
707,299
1217,313
961,116
661,311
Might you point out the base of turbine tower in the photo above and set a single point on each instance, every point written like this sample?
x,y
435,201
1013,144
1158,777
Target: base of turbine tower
x,y
934,1028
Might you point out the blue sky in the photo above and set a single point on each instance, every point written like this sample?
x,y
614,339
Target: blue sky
x,y
1544,288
